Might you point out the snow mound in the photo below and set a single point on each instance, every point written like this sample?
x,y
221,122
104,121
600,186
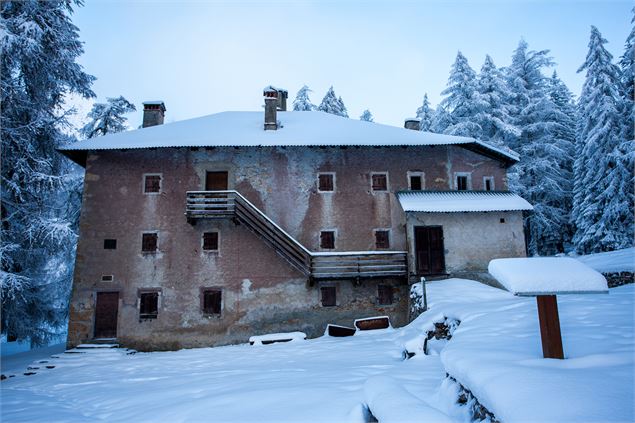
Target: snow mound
x,y
612,261
546,275
277,337
390,402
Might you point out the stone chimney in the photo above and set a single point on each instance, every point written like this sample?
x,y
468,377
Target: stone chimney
x,y
153,113
275,100
412,123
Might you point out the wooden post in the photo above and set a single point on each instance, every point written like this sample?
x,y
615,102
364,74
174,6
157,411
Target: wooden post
x,y
549,326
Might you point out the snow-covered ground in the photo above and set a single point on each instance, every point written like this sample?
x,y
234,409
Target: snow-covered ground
x,y
495,352
612,261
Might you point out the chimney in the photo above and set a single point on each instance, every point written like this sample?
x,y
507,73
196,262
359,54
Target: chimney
x,y
275,100
412,123
153,113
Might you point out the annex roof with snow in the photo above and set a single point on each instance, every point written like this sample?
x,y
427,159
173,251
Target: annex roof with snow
x,y
298,129
461,201
533,276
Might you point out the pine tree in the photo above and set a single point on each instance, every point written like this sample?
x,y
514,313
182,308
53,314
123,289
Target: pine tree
x,y
332,104
627,65
108,118
302,102
441,120
603,185
367,116
40,46
493,116
425,114
461,99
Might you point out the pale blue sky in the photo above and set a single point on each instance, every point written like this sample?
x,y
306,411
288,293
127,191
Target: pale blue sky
x,y
204,57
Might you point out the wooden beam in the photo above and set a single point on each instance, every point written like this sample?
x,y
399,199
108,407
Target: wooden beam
x,y
549,326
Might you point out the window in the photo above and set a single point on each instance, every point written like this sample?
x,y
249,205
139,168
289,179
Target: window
x,y
382,238
110,244
148,305
211,301
379,181
106,278
327,239
149,242
462,181
488,183
326,182
210,241
152,184
415,181
384,294
502,220
328,294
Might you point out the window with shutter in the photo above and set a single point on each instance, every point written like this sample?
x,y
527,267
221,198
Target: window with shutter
x,y
328,294
326,182
382,239
379,181
149,242
152,184
148,305
461,183
385,294
327,240
212,301
210,241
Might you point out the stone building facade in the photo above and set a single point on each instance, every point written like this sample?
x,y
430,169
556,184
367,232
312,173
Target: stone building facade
x,y
167,260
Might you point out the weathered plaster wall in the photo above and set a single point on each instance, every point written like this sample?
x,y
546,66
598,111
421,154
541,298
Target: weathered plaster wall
x,y
471,240
261,292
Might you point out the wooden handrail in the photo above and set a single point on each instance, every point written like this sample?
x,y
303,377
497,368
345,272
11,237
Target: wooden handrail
x,y
319,265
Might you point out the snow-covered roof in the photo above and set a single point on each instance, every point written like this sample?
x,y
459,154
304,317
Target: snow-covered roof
x,y
611,261
546,275
461,201
245,129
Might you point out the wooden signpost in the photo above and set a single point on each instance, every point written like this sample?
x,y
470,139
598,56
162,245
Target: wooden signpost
x,y
549,326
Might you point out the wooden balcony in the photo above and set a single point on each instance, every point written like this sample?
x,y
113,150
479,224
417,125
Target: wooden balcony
x,y
315,265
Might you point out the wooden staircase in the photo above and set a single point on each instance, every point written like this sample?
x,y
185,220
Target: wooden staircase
x,y
315,265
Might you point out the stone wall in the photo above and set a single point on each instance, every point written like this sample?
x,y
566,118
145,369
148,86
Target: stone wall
x,y
261,292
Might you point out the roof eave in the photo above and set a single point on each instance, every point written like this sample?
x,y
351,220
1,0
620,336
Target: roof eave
x,y
78,156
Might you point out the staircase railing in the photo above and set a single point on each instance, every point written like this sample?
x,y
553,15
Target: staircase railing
x,y
317,265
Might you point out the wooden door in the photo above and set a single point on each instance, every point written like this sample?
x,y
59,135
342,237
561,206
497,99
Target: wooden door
x,y
216,181
429,250
106,309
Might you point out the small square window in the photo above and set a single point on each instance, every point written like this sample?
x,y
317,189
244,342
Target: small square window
x,y
488,183
110,244
327,239
148,305
502,220
379,181
328,294
212,301
149,242
382,239
385,294
106,278
326,182
152,184
461,183
415,183
210,241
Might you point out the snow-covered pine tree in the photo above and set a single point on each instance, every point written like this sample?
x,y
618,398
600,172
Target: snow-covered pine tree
x,y
603,171
108,118
367,116
627,66
332,104
493,115
461,99
426,114
302,102
441,120
40,46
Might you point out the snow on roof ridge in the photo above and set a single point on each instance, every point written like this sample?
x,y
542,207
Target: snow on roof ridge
x,y
241,128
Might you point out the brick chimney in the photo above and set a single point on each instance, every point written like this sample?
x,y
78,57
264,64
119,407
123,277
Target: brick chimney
x,y
412,123
153,113
275,100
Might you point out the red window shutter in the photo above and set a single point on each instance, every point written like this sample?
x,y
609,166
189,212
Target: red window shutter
x,y
327,239
382,239
325,182
152,183
149,242
212,301
328,296
210,241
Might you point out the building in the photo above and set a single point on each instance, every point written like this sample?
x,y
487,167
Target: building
x,y
206,231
